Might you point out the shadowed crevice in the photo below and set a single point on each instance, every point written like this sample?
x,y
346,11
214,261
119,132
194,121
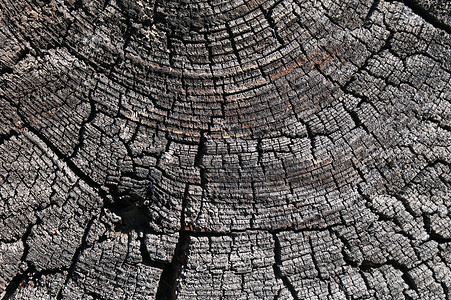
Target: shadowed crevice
x,y
23,276
167,287
371,11
233,43
278,271
83,245
426,15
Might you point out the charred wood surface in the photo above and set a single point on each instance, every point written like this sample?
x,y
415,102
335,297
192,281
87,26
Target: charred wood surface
x,y
261,149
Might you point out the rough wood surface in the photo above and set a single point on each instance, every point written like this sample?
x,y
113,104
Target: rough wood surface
x,y
210,149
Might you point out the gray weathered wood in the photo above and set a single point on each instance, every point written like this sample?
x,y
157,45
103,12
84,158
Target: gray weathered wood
x,y
263,149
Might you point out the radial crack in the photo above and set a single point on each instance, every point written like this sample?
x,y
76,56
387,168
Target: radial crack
x,y
426,15
76,256
278,272
167,287
21,276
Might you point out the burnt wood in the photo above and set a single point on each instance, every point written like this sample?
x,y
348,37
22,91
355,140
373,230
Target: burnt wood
x,y
261,149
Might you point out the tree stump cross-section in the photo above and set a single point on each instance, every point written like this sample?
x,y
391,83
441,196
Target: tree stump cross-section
x,y
208,149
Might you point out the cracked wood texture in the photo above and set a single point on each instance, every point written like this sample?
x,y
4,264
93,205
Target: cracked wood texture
x,y
210,149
